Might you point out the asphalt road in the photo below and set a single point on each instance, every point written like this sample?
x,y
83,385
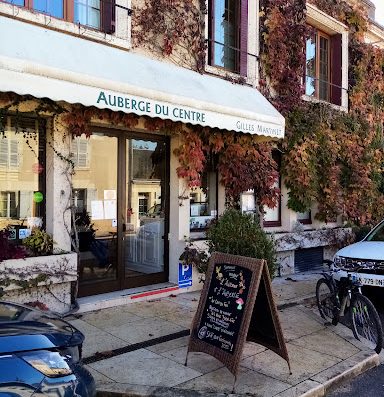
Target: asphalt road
x,y
371,383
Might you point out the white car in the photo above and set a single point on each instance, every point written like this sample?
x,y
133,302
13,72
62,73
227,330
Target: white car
x,y
365,259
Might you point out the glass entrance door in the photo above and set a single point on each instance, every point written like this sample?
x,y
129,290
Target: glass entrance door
x,y
145,207
120,205
94,200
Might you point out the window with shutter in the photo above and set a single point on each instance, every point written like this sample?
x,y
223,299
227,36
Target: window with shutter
x,y
228,35
323,69
96,14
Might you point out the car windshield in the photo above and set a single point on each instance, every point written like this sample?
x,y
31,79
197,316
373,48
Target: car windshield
x,y
377,234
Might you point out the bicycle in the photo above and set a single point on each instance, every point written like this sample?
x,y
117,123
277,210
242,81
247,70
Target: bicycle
x,y
336,299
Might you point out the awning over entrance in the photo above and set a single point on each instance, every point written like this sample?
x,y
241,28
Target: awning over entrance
x,y
47,63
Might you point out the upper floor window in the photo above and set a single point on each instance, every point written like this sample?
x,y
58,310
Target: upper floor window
x,y
97,14
51,7
228,22
323,70
87,12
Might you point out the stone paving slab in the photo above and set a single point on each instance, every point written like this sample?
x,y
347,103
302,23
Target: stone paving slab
x,y
317,356
142,367
320,354
96,339
144,329
248,381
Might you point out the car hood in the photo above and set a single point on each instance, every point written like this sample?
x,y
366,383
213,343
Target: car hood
x,y
373,250
23,328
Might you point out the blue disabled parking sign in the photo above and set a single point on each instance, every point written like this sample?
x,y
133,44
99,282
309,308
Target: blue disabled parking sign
x,y
185,275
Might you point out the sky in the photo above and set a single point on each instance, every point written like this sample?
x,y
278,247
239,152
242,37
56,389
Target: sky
x,y
379,11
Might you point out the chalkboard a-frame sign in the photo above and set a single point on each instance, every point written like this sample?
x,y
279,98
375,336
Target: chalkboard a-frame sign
x,y
236,305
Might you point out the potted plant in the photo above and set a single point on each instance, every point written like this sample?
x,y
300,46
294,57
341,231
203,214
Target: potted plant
x,y
238,233
39,242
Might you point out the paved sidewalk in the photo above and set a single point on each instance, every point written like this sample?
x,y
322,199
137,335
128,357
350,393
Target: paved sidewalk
x,y
139,349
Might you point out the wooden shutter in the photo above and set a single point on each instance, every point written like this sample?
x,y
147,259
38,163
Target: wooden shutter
x,y
211,32
108,16
14,153
82,154
336,69
243,42
4,152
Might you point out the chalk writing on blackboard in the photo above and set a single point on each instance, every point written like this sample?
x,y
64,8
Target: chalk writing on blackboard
x,y
224,307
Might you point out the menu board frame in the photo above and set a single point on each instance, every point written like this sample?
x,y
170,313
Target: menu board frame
x,y
259,273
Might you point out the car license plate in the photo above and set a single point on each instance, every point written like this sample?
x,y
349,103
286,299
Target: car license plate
x,y
369,279
373,280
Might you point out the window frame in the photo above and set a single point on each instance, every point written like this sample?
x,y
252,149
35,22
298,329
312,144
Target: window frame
x,y
69,14
249,44
210,168
338,33
305,221
276,155
212,43
318,35
277,222
8,201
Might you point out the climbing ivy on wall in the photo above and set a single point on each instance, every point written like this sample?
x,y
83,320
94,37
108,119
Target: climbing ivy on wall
x,y
330,157
172,28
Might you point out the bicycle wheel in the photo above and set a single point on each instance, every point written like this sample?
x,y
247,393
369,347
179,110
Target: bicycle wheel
x,y
326,300
366,324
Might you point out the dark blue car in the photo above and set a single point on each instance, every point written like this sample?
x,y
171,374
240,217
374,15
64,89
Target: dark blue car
x,y
40,354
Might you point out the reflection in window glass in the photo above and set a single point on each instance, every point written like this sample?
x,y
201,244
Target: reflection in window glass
x,y
304,217
145,207
21,173
317,75
16,2
147,159
87,12
376,235
50,7
272,215
80,152
226,29
310,86
203,202
94,197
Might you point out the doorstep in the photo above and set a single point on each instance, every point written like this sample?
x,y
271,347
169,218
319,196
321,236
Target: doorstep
x,y
126,296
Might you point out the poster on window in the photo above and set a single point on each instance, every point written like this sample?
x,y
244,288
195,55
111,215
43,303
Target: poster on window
x,y
97,210
110,209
